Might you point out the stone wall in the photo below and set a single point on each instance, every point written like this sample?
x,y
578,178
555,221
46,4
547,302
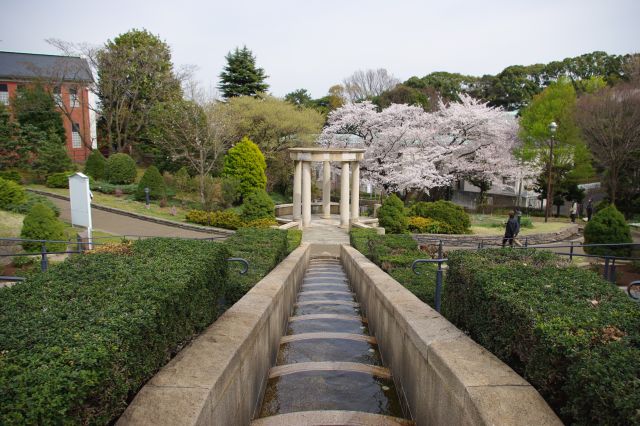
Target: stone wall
x,y
446,378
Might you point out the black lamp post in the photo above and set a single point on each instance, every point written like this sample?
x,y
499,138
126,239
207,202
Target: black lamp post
x,y
146,196
552,129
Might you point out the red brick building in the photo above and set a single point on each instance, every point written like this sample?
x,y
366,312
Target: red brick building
x,y
68,78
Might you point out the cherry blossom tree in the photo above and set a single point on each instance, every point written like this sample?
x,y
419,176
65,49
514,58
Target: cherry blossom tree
x,y
408,148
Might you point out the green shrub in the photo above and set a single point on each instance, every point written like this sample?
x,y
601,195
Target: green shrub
x,y
391,215
263,248
153,180
227,219
58,180
264,222
394,254
79,340
95,165
572,335
29,201
120,168
294,238
257,205
607,227
245,163
11,175
425,225
183,180
444,211
108,188
41,223
10,194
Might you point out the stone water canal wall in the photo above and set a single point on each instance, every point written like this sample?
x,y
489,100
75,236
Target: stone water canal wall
x,y
445,376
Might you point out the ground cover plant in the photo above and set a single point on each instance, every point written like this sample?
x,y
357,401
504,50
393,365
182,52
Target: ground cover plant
x,y
77,345
572,335
394,254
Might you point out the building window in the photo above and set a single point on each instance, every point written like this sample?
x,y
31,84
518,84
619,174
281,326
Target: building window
x,y
4,94
76,141
73,97
57,95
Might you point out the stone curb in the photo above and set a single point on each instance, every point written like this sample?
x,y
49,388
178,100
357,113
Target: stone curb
x,y
210,230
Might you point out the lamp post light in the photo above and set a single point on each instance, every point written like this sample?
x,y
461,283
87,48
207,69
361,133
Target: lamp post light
x,y
552,129
146,196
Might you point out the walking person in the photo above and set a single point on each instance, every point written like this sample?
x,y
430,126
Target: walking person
x,y
512,230
573,212
589,209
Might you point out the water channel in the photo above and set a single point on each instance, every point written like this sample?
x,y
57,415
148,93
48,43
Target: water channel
x,y
329,369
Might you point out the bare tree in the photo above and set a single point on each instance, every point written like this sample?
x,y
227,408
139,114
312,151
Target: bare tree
x,y
610,123
363,85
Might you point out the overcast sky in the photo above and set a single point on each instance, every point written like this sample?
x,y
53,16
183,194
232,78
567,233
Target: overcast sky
x,y
315,44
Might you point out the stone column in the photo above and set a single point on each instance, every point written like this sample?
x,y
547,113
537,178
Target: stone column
x,y
326,190
297,191
344,195
355,191
306,193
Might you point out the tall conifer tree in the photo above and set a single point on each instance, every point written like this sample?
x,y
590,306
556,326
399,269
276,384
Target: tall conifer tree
x,y
241,76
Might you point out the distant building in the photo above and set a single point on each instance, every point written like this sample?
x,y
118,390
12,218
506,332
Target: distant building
x,y
68,78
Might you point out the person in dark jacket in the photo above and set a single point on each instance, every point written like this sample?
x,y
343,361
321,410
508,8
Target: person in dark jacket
x,y
511,231
589,209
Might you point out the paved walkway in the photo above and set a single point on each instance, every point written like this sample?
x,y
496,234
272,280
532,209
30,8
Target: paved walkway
x,y
325,231
123,225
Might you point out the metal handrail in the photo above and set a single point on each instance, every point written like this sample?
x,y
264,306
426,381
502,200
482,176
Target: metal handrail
x,y
241,260
438,295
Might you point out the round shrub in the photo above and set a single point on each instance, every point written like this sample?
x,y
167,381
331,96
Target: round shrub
x,y
41,223
11,175
153,180
607,227
58,180
95,165
425,225
120,168
391,215
10,193
227,219
446,212
257,205
246,163
265,222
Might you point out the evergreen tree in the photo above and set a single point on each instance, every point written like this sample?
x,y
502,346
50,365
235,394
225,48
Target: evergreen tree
x,y
246,163
33,105
240,76
52,156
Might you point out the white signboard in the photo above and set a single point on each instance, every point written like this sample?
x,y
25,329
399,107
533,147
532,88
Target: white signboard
x,y
80,200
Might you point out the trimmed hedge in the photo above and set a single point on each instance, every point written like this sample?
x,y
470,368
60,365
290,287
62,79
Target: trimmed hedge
x,y
227,219
608,226
425,225
58,180
572,335
258,205
120,169
11,175
264,249
394,254
446,212
78,341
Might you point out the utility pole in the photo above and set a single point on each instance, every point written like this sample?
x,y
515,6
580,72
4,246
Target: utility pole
x,y
552,128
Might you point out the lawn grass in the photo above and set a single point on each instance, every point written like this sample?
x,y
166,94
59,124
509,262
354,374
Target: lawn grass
x,y
538,228
10,224
127,204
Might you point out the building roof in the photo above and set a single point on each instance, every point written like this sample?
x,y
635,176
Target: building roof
x,y
28,66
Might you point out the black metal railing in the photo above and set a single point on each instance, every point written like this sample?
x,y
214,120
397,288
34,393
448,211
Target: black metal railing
x,y
609,267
